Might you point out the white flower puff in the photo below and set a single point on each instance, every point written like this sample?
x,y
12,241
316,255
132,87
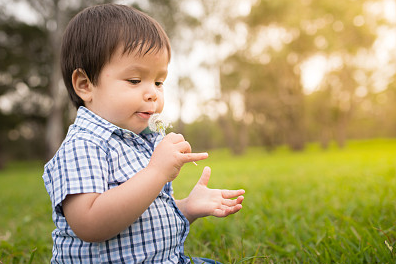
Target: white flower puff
x,y
157,124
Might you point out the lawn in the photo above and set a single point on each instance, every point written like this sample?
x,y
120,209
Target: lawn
x,y
315,206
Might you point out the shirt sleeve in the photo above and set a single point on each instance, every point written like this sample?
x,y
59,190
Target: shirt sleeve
x,y
80,166
168,188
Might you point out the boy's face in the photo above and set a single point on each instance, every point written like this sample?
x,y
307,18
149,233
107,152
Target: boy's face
x,y
130,89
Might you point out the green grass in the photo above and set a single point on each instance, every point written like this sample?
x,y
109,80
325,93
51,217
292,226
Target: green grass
x,y
315,206
25,215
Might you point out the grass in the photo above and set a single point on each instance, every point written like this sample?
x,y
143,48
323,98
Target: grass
x,y
25,215
315,206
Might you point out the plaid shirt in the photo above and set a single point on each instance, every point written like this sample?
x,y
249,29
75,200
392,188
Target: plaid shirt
x,y
95,157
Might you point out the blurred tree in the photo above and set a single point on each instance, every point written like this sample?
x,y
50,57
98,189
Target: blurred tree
x,y
43,54
283,35
257,61
218,34
24,62
54,16
179,25
30,64
204,134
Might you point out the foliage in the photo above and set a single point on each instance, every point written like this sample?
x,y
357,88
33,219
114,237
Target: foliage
x,y
260,73
204,135
25,57
316,206
30,72
267,71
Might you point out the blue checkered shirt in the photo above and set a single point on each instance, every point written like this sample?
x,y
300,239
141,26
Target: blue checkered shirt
x,y
95,157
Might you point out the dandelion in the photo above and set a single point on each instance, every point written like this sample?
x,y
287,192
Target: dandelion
x,y
156,124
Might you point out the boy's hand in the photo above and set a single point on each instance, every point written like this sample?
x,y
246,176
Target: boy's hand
x,y
171,154
203,201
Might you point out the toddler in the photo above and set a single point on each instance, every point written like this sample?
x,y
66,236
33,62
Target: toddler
x,y
110,182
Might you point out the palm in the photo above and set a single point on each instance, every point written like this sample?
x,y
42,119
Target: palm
x,y
203,201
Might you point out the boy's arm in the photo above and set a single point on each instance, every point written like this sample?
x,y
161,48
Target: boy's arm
x,y
203,201
97,217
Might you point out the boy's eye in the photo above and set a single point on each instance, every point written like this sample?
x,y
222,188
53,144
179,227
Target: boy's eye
x,y
134,81
159,83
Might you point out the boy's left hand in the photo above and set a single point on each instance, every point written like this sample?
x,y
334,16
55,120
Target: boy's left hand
x,y
203,201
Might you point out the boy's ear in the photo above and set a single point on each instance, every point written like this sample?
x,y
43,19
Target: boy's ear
x,y
82,85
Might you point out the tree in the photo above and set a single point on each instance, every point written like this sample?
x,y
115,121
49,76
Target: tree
x,y
217,33
52,17
31,60
179,26
24,55
283,36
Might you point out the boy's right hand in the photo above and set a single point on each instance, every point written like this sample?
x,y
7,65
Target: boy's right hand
x,y
171,154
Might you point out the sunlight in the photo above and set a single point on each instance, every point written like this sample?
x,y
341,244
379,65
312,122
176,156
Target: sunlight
x,y
312,72
22,11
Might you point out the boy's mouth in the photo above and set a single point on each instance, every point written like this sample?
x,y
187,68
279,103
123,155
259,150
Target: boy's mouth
x,y
145,115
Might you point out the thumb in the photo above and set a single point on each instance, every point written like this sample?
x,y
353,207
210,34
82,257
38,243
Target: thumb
x,y
204,180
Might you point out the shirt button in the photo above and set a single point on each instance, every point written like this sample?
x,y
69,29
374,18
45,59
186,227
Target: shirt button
x,y
127,135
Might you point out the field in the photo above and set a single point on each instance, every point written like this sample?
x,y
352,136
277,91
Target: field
x,y
315,206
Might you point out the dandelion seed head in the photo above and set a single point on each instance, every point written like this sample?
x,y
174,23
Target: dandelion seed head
x,y
157,124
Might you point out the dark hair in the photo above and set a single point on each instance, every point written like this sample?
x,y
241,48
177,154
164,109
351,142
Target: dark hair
x,y
92,36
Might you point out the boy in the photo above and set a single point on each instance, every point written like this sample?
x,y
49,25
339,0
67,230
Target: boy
x,y
110,181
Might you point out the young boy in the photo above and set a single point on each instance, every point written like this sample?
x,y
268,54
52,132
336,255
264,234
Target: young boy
x,y
110,182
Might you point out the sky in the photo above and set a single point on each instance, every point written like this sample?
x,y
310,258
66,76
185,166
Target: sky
x,y
21,10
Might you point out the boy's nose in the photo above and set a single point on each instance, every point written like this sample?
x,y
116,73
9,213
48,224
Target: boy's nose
x,y
151,94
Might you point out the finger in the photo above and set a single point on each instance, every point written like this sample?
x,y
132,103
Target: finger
x,y
219,213
190,157
229,202
175,138
227,194
204,180
184,147
235,209
225,211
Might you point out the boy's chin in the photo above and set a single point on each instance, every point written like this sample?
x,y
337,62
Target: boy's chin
x,y
137,131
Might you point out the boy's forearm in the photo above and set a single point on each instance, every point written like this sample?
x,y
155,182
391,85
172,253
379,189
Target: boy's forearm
x,y
97,217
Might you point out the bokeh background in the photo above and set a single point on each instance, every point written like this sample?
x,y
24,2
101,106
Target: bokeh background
x,y
243,72
295,100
